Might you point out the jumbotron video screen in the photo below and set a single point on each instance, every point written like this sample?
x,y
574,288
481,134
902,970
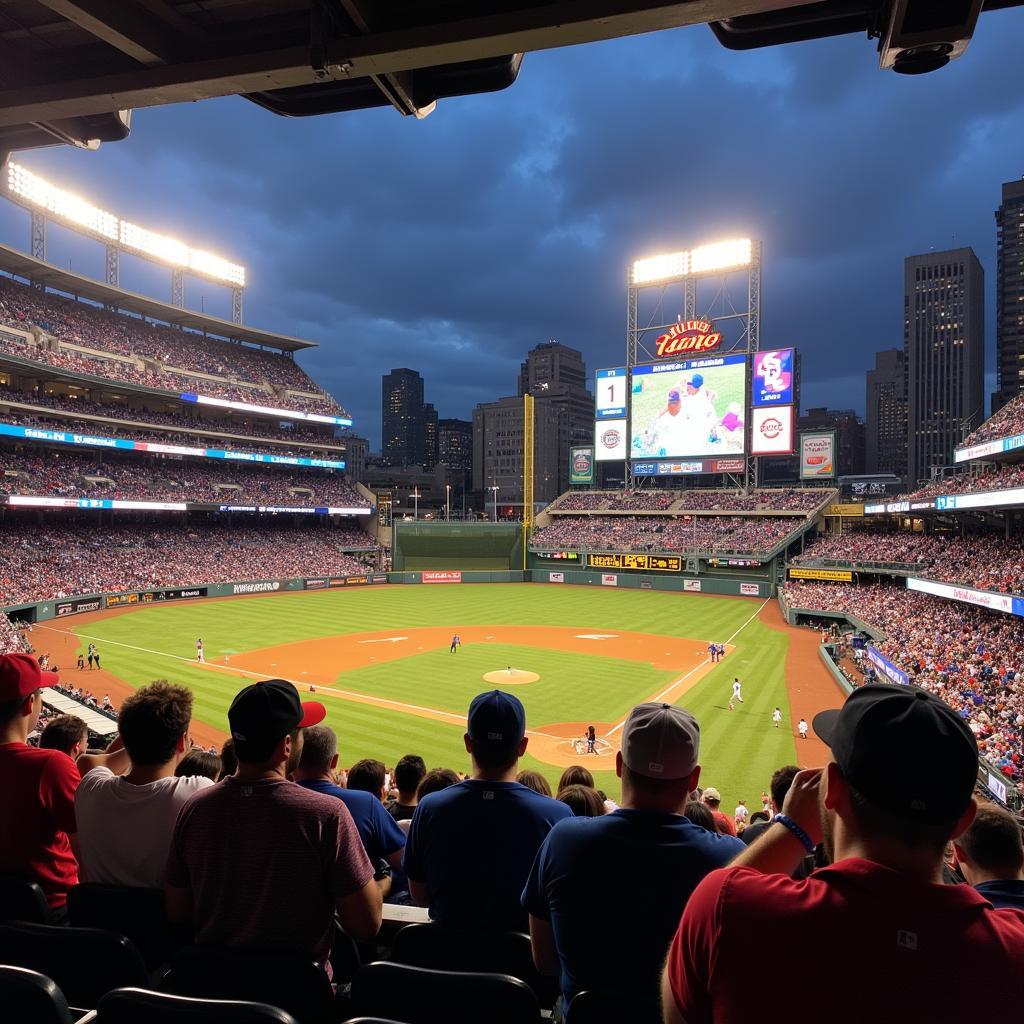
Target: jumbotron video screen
x,y
689,409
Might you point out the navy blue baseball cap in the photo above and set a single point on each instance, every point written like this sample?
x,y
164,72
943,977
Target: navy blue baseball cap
x,y
497,719
673,395
696,380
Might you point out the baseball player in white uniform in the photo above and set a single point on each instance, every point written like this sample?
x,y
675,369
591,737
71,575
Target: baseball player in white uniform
x,y
736,695
200,657
802,729
777,717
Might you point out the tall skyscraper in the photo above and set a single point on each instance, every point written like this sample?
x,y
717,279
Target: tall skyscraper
x,y
886,414
455,444
943,344
429,436
1009,295
403,427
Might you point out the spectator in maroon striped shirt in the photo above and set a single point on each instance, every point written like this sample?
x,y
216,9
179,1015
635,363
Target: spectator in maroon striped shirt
x,y
259,862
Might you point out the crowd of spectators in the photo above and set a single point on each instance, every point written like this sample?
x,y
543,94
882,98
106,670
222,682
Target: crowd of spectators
x,y
971,657
44,562
752,535
694,499
76,323
987,561
1005,423
153,478
999,479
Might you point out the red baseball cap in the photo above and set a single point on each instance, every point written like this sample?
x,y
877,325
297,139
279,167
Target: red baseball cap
x,y
20,674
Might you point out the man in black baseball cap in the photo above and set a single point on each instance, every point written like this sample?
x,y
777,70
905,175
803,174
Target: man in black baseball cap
x,y
263,714
898,788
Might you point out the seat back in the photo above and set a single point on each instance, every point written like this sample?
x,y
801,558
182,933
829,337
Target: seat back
x,y
85,963
28,997
417,995
135,1005
454,949
603,1006
296,984
138,914
21,899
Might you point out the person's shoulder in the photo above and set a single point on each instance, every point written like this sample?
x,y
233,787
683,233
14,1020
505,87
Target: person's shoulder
x,y
188,786
544,805
96,777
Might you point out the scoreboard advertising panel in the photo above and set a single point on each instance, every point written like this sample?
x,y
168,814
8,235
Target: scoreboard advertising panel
x,y
581,464
773,377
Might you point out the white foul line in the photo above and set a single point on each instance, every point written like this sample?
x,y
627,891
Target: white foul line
x,y
683,678
360,698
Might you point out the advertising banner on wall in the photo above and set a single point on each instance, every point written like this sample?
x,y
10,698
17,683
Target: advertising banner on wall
x,y
967,595
74,607
581,464
834,575
771,431
441,577
657,563
773,377
750,589
693,586
886,667
610,394
610,441
607,580
818,455
690,467
556,577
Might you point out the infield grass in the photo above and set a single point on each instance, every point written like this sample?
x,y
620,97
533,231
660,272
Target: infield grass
x,y
739,749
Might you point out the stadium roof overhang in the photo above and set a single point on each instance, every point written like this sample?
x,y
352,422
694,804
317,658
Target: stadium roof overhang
x,y
72,70
13,261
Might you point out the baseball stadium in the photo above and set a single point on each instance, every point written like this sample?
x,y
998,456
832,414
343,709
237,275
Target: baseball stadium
x,y
276,752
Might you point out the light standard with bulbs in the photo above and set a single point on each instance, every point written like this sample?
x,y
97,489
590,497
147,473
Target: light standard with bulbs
x,y
415,503
494,505
447,502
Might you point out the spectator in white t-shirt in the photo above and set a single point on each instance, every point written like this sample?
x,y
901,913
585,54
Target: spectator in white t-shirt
x,y
125,822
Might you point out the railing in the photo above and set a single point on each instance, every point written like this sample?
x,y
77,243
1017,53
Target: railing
x,y
858,563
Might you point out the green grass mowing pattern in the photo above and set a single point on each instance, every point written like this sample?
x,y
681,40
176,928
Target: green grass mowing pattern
x,y
737,747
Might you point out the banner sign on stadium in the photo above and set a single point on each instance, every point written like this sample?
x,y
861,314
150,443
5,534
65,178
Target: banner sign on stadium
x,y
328,510
556,577
262,587
37,501
92,604
773,377
316,584
889,506
996,786
581,465
851,510
886,667
818,455
967,595
691,586
284,414
652,563
750,590
559,556
980,499
610,394
119,600
689,467
124,444
836,575
608,580
742,563
771,431
610,441
997,447
441,577
687,336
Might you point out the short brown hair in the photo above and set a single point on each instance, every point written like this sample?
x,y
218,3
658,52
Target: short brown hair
x,y
367,775
993,841
583,800
435,780
62,733
532,779
576,775
153,719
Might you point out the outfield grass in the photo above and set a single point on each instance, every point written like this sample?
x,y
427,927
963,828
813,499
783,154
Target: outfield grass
x,y
740,749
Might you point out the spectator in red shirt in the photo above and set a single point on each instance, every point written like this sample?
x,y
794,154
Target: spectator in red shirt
x,y
723,823
257,861
37,794
898,788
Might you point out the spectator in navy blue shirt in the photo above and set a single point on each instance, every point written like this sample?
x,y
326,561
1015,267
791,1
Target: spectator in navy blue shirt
x,y
990,856
381,836
638,864
471,845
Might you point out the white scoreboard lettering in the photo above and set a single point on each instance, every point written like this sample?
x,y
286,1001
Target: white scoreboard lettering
x,y
610,394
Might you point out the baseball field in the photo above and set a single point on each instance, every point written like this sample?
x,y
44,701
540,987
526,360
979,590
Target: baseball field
x,y
380,660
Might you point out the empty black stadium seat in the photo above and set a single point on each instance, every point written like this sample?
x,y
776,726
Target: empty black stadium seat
x,y
141,1006
416,995
296,984
138,914
601,1006
453,949
85,963
28,997
22,900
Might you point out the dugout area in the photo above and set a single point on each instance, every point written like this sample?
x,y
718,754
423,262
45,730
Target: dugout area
x,y
419,545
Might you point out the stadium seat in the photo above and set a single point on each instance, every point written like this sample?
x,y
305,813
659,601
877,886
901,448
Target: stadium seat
x,y
604,1006
416,995
452,949
136,913
296,984
85,962
22,900
135,1005
28,997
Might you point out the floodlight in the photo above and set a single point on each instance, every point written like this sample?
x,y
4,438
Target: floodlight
x,y
706,259
37,191
659,268
720,256
167,250
220,269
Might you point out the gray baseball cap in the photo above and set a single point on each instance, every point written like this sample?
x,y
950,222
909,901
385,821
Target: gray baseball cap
x,y
660,741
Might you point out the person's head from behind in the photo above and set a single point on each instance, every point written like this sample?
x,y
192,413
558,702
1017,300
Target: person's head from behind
x,y
154,723
368,775
319,756
534,780
700,814
782,779
902,776
199,763
67,733
21,683
495,734
266,721
435,780
584,801
409,774
991,848
228,759
575,775
658,762
712,798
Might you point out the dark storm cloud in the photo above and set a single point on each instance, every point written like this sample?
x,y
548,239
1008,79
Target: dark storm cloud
x,y
454,244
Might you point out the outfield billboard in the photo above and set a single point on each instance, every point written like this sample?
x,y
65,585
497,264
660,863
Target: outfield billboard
x,y
818,455
581,464
771,431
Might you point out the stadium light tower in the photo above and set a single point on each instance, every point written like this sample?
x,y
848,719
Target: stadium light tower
x,y
494,502
415,502
447,502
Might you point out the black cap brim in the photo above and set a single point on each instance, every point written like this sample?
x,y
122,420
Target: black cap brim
x,y
824,724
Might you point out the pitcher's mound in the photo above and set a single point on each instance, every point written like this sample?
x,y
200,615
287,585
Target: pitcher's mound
x,y
510,677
